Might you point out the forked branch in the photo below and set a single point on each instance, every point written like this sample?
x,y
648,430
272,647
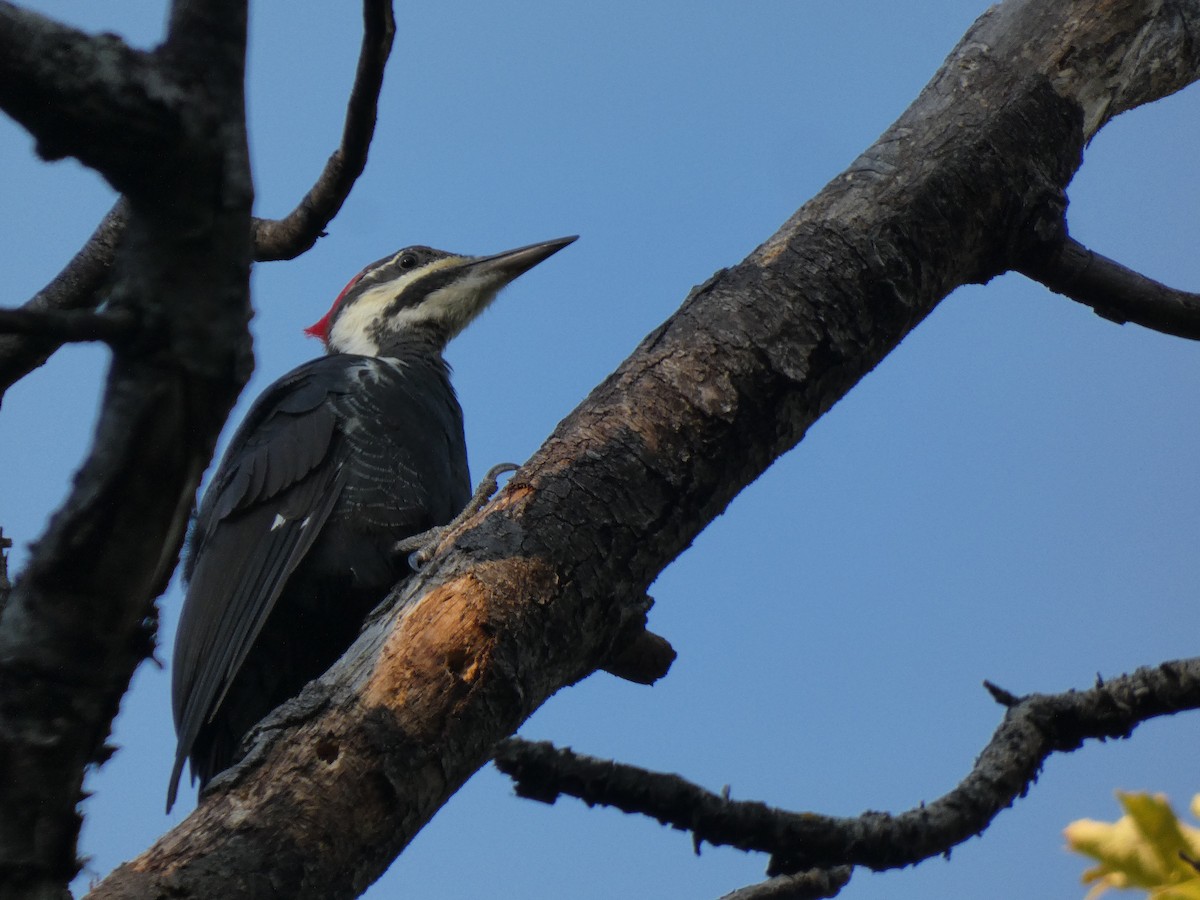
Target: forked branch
x,y
75,622
80,284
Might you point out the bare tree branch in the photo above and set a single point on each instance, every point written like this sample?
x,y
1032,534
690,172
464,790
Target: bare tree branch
x,y
88,269
532,594
80,616
92,97
79,284
1033,728
813,885
1113,291
70,325
297,232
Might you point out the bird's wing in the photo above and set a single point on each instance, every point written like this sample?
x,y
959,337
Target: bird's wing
x,y
267,503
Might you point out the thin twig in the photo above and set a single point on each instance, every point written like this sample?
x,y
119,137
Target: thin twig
x,y
295,233
77,286
814,884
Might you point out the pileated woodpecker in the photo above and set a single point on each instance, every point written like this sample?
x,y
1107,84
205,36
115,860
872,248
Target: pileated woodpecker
x,y
337,461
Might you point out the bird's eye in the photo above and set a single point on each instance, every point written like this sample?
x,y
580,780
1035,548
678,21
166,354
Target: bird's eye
x,y
408,261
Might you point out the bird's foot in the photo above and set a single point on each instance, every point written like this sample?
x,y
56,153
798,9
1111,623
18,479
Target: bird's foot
x,y
420,547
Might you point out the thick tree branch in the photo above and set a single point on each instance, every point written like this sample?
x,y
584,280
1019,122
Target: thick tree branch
x,y
91,97
527,598
1033,728
78,285
80,616
1113,291
297,232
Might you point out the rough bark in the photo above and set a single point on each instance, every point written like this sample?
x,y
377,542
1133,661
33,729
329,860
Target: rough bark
x,y
1113,291
167,129
527,597
171,259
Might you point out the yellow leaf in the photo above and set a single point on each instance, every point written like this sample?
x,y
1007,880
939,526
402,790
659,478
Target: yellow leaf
x,y
1188,890
1146,848
1161,832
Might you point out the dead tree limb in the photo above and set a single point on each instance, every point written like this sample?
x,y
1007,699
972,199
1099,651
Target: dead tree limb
x,y
80,284
1033,728
524,599
1113,291
77,286
5,584
296,232
70,325
814,885
167,130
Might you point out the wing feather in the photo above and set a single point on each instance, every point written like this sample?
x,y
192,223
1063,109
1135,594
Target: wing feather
x,y
270,498
275,491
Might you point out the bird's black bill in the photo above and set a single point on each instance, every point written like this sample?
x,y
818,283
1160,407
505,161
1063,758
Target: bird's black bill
x,y
512,263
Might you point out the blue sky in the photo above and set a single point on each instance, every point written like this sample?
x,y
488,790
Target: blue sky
x,y
1011,495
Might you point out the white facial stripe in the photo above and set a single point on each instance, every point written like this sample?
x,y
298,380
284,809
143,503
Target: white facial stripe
x,y
453,307
353,328
457,304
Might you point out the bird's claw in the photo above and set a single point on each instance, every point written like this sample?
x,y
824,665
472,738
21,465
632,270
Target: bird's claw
x,y
487,489
420,547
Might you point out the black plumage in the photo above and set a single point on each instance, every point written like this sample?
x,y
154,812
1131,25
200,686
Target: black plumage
x,y
293,544
295,540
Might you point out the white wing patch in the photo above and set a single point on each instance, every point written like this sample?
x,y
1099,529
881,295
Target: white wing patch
x,y
281,520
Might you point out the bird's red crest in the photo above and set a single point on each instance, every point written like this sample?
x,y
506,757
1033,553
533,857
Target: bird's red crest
x,y
321,329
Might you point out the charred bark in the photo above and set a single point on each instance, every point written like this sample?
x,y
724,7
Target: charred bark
x,y
527,597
